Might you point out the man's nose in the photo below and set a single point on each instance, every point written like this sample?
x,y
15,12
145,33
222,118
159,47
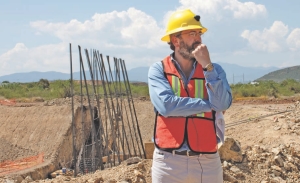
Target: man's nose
x,y
199,38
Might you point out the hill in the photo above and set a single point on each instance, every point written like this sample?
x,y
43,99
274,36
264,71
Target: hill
x,y
239,74
136,74
235,73
283,74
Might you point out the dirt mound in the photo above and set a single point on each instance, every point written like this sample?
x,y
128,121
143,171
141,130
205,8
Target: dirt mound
x,y
11,152
30,130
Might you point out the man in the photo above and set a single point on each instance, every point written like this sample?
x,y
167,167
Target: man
x,y
187,90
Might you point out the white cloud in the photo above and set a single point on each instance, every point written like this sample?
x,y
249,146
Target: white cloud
x,y
131,35
20,47
204,6
6,63
246,10
270,40
293,40
217,9
131,28
259,59
135,37
42,58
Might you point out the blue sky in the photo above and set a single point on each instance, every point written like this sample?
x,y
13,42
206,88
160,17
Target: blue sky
x,y
35,35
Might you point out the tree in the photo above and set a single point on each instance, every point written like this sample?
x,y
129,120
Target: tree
x,y
44,83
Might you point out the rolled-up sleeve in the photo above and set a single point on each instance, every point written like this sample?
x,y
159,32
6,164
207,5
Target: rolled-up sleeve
x,y
218,89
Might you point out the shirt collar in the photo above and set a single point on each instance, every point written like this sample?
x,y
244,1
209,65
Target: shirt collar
x,y
177,64
180,70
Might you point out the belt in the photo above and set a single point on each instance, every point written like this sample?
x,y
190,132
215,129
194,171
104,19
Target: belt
x,y
185,153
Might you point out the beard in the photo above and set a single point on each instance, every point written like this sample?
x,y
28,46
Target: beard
x,y
186,51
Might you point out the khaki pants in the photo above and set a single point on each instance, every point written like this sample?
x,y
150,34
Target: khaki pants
x,y
169,168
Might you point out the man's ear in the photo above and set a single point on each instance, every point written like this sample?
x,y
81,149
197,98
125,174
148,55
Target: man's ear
x,y
175,41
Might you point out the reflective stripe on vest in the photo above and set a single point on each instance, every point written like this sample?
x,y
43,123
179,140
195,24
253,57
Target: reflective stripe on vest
x,y
199,93
176,85
197,129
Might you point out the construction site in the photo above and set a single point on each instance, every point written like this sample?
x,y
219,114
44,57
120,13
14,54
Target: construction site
x,y
103,134
96,128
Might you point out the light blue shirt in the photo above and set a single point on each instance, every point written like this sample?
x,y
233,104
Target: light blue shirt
x,y
168,104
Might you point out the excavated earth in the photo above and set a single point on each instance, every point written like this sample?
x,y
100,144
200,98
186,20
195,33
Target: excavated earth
x,y
262,142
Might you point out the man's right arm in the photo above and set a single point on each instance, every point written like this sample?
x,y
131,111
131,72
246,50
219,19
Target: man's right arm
x,y
164,100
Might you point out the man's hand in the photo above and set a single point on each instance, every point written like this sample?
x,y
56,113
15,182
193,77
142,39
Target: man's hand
x,y
201,54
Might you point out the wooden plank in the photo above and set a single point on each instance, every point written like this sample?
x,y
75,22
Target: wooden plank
x,y
149,148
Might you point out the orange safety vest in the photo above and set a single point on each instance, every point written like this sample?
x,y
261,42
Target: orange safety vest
x,y
199,129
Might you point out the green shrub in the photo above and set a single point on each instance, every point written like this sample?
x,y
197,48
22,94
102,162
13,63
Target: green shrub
x,y
62,88
266,88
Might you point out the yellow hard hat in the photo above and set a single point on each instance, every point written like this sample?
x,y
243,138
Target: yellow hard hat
x,y
182,20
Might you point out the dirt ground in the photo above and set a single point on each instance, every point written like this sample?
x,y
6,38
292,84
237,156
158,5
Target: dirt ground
x,y
258,126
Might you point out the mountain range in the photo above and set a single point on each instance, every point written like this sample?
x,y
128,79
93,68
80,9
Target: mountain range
x,y
235,74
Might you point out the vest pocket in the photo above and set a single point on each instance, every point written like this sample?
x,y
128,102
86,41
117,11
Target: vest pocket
x,y
202,135
169,132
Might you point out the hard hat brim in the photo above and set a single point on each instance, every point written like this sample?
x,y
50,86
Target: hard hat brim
x,y
166,37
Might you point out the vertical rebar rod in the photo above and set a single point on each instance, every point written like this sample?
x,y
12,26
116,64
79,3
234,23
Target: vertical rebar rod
x,y
73,120
97,100
117,68
105,80
106,105
91,111
100,130
136,120
127,88
89,104
94,147
131,111
81,108
113,109
118,79
116,113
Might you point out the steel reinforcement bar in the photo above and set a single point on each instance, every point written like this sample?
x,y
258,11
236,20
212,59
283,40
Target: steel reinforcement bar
x,y
253,119
105,97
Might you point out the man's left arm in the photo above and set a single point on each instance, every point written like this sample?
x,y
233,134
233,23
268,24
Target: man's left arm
x,y
218,89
